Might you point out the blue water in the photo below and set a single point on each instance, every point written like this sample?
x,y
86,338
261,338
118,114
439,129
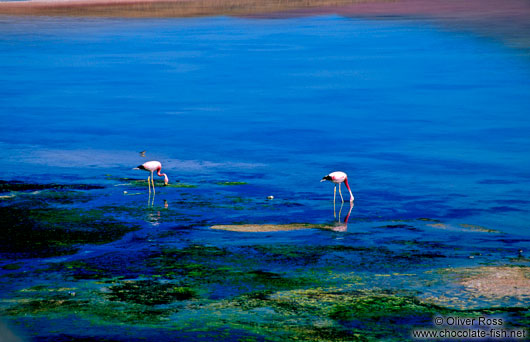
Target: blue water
x,y
427,123
431,126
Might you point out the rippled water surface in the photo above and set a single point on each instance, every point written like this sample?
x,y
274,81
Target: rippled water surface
x,y
431,126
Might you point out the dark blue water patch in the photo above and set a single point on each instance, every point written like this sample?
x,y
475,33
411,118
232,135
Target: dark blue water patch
x,y
510,241
504,209
498,181
461,213
512,201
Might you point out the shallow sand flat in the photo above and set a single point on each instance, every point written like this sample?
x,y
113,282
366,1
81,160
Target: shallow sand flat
x,y
503,281
262,228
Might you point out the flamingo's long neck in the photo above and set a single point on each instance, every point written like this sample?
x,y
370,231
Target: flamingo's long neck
x,y
348,186
166,180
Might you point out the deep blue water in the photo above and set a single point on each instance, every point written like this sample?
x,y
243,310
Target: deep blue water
x,y
427,123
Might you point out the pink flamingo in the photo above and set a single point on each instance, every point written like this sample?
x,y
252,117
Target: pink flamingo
x,y
338,177
152,166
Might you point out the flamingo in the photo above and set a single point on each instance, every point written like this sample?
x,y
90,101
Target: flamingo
x,y
338,177
152,166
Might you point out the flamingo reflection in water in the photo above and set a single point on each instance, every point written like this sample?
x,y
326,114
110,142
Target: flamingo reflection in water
x,y
339,226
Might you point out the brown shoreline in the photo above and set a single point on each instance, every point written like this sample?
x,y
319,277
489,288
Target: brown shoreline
x,y
507,20
165,8
518,10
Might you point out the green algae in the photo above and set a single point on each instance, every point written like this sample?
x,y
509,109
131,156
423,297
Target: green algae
x,y
217,270
43,223
48,231
21,186
332,314
81,270
149,292
87,303
181,185
379,306
12,267
313,314
228,183
269,305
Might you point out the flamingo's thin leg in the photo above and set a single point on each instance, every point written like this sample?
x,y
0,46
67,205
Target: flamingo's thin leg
x,y
149,184
153,181
334,194
341,193
334,206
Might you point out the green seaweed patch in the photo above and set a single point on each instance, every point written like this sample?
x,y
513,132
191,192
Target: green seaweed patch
x,y
383,306
318,314
360,310
42,300
44,232
81,270
45,306
64,196
13,267
220,272
181,185
231,183
6,186
149,292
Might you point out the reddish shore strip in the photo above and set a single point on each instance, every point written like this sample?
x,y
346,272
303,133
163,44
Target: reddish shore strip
x,y
506,20
470,9
163,8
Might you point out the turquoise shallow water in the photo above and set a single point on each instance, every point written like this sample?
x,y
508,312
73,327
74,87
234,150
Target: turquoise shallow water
x,y
432,127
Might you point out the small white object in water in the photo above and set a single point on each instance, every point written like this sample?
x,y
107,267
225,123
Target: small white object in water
x,y
270,197
125,192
